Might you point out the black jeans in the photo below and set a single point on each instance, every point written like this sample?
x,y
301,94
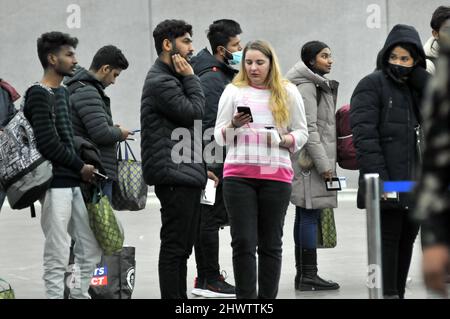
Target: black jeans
x,y
180,218
207,243
398,233
256,209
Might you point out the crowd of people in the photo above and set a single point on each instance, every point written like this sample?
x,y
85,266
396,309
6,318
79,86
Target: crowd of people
x,y
269,140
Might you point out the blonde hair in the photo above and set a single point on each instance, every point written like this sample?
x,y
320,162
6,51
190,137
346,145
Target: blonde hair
x,y
274,81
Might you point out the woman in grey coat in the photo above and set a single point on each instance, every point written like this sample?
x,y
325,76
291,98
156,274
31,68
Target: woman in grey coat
x,y
316,162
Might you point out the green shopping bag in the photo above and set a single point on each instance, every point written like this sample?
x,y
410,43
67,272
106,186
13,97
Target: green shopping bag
x,y
326,232
104,224
6,292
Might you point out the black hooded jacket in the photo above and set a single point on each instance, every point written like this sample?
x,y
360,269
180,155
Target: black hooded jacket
x,y
214,76
384,113
92,118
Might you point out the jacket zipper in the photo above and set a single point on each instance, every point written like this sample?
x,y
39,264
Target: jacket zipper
x,y
408,142
389,109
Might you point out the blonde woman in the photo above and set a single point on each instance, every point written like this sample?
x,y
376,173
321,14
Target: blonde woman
x,y
257,170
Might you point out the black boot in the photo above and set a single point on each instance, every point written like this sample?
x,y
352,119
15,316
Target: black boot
x,y
298,266
310,281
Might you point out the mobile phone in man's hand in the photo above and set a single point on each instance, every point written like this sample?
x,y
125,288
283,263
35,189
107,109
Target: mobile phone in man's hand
x,y
98,174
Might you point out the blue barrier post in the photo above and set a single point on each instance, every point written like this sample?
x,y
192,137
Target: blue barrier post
x,y
374,274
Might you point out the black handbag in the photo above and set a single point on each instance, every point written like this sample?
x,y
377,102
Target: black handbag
x,y
130,191
114,276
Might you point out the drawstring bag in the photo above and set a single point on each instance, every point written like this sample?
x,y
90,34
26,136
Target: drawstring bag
x,y
6,292
104,224
130,191
326,232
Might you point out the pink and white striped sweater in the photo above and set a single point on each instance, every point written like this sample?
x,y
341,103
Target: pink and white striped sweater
x,y
248,155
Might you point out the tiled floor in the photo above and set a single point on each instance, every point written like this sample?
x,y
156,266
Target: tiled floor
x,y
21,250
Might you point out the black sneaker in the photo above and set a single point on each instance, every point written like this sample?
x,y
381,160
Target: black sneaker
x,y
199,287
219,289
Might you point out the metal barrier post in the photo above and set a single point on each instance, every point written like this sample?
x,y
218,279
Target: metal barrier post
x,y
374,275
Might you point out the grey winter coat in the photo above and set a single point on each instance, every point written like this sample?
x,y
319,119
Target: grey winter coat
x,y
308,187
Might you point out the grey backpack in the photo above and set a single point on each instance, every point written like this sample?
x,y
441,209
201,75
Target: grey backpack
x,y
25,174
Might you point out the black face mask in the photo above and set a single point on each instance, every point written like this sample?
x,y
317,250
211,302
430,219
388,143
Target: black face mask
x,y
400,71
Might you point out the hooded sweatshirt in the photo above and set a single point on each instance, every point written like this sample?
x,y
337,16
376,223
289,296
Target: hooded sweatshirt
x,y
383,115
400,33
431,49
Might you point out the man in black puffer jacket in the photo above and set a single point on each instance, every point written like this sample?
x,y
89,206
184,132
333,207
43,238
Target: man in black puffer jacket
x,y
91,110
172,102
385,110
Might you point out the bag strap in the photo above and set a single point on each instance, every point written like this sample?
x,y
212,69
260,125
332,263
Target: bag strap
x,y
4,287
52,100
32,211
98,193
318,95
127,145
127,148
119,152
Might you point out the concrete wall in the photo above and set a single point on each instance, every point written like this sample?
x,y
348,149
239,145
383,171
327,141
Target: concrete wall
x,y
354,29
122,23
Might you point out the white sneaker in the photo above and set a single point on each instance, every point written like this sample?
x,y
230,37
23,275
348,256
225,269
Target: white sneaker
x,y
198,287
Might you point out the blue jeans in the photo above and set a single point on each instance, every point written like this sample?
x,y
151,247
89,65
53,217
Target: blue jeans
x,y
305,227
107,189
